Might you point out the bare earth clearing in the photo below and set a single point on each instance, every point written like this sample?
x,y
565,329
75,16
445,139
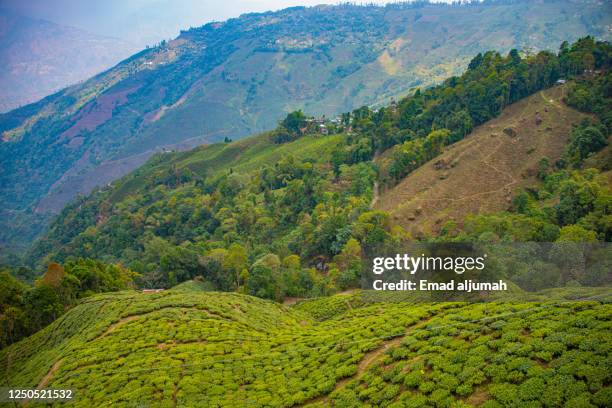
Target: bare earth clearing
x,y
481,173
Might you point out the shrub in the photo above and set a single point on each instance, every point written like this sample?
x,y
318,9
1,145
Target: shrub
x,y
532,389
506,394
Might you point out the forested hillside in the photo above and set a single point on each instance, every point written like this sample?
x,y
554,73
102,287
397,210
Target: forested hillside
x,y
229,79
288,213
25,309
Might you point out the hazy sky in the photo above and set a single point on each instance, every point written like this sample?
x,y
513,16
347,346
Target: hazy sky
x,y
145,22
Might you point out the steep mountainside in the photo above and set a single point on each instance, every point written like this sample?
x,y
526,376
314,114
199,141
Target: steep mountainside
x,y
184,347
229,79
40,57
299,200
482,173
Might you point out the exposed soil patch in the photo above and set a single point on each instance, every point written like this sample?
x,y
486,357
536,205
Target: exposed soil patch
x,y
478,397
97,112
486,171
290,301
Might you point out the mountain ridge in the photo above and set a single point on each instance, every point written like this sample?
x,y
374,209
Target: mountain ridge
x,y
244,73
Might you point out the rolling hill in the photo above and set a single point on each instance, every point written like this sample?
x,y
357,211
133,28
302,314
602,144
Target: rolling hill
x,y
232,78
185,347
482,173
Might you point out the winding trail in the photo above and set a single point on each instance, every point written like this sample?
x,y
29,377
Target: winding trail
x,y
368,360
117,324
376,194
45,380
376,187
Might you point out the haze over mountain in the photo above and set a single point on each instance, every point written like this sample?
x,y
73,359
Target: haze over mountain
x,y
48,45
41,57
234,78
145,22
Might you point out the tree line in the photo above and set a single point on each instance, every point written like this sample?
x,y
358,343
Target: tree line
x,y
27,308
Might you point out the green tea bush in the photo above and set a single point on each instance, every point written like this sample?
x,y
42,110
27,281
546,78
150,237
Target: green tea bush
x,y
224,349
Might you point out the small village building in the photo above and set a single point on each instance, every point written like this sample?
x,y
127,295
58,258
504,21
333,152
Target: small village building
x,y
152,290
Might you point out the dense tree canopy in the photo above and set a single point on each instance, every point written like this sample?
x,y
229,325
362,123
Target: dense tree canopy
x,y
25,309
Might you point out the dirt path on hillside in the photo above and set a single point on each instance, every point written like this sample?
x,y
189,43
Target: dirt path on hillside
x,y
127,319
376,194
176,385
117,324
368,360
45,380
376,187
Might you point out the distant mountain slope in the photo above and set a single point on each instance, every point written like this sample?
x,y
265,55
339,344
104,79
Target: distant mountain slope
x,y
40,57
482,173
310,193
233,78
190,348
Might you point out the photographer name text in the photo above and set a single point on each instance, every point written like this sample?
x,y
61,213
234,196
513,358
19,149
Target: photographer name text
x,y
425,285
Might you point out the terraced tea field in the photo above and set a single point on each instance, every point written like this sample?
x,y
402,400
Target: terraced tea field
x,y
185,347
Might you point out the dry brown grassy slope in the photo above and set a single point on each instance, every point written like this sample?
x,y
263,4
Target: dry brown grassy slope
x,y
481,173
